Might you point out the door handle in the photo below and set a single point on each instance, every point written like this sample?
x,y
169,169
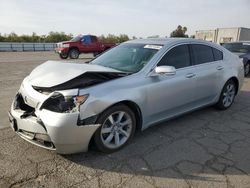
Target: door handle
x,y
220,68
190,75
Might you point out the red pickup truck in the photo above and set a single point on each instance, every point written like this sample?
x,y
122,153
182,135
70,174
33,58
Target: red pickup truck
x,y
81,44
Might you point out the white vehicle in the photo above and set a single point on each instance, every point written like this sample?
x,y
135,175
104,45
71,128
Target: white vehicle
x,y
62,106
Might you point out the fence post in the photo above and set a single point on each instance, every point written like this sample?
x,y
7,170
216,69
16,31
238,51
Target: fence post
x,y
11,47
34,46
23,46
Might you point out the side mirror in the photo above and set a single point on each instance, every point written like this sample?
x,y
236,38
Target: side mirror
x,y
165,70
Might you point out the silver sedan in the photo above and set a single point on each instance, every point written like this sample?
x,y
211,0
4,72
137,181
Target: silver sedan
x,y
63,106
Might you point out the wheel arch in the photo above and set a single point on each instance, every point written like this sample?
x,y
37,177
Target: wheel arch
x,y
74,47
134,107
236,81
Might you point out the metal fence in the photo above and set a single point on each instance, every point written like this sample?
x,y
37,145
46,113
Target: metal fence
x,y
21,47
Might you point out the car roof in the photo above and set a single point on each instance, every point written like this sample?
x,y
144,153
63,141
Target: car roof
x,y
166,41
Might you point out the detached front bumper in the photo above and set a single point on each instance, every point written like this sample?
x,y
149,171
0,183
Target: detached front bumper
x,y
52,130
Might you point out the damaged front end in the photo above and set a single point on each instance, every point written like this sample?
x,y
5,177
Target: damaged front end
x,y
64,104
27,125
54,124
85,80
46,110
21,105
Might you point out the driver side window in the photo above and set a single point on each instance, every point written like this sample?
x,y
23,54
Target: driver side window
x,y
177,57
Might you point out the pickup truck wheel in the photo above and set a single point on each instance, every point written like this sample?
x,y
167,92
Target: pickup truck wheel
x,y
63,56
74,54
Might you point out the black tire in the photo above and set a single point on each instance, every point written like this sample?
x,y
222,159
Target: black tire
x,y
103,118
63,56
74,53
222,104
247,69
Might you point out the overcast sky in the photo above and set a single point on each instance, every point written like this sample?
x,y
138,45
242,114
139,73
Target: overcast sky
x,y
139,18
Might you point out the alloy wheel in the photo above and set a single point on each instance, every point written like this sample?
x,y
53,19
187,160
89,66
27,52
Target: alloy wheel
x,y
228,95
116,129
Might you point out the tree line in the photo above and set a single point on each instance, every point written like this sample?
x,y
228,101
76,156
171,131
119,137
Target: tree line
x,y
54,37
51,37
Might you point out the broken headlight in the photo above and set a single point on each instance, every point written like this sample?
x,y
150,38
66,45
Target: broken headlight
x,y
64,104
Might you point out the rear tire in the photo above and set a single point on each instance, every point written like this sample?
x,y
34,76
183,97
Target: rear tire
x,y
117,128
74,53
227,95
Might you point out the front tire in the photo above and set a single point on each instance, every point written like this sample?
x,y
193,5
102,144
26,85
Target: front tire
x,y
63,56
74,53
117,128
227,95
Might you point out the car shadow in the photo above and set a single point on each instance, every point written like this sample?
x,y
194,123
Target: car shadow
x,y
198,146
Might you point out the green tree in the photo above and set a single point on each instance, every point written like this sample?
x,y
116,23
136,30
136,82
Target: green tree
x,y
57,37
13,37
179,32
2,38
123,38
113,38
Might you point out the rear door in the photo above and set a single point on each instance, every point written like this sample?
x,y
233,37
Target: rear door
x,y
209,72
94,45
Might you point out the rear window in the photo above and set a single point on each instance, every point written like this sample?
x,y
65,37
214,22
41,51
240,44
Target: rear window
x,y
218,55
202,54
93,39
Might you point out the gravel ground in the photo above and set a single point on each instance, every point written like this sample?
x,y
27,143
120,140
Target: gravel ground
x,y
207,148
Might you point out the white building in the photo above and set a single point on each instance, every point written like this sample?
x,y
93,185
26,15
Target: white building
x,y
222,35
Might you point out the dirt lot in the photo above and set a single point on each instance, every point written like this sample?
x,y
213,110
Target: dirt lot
x,y
207,148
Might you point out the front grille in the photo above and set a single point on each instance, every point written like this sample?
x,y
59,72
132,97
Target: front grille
x,y
59,45
20,104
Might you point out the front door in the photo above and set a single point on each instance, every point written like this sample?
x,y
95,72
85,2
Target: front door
x,y
168,96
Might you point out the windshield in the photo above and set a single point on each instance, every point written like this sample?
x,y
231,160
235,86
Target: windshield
x,y
238,47
77,38
127,57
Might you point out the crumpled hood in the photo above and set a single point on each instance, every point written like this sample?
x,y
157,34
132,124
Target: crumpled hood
x,y
52,73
